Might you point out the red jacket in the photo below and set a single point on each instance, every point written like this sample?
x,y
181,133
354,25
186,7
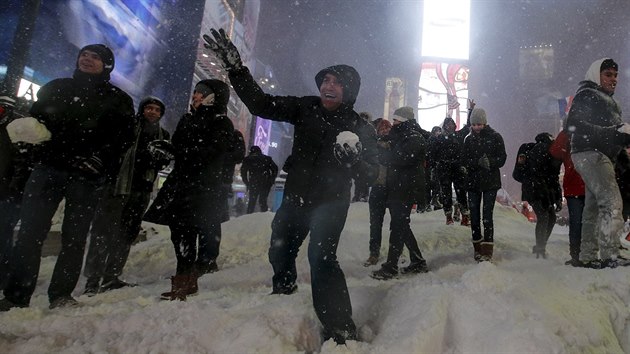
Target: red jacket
x,y
560,149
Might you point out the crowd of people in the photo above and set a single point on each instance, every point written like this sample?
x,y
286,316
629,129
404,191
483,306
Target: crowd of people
x,y
68,153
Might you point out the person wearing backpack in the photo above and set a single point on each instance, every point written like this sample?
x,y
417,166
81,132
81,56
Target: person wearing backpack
x,y
538,171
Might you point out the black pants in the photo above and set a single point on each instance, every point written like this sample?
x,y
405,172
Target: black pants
x,y
9,216
475,198
450,178
258,194
378,205
325,222
115,227
45,189
401,235
545,221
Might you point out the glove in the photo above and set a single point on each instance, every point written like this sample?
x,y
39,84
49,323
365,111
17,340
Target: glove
x,y
624,128
28,130
161,150
224,49
484,162
347,155
91,165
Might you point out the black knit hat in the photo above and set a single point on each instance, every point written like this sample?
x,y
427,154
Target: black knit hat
x,y
347,76
103,51
151,99
608,64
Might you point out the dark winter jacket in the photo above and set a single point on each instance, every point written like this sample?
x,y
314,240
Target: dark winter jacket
x,y
405,164
622,171
446,150
490,143
87,118
572,183
16,164
313,174
594,118
258,170
539,174
201,142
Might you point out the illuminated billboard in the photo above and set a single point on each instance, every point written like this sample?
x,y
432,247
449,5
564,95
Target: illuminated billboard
x,y
446,29
443,91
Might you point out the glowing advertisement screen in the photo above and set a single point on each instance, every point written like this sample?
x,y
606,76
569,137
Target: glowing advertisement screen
x,y
446,29
262,136
443,91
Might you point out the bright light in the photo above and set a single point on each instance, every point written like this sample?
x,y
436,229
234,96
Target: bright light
x,y
446,29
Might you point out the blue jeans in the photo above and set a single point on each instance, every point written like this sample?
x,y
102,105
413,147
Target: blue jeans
x,y
45,189
602,221
475,199
575,206
325,222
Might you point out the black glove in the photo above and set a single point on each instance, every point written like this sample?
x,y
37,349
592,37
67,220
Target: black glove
x,y
91,165
224,49
161,150
484,162
346,155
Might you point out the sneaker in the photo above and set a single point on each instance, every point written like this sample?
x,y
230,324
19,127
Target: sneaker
x,y
372,260
6,305
415,268
385,273
288,290
114,284
91,286
64,301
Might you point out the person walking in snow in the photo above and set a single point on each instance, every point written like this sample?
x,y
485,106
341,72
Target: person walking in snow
x,y
331,145
118,217
259,174
377,201
573,191
482,157
538,172
88,124
190,201
405,186
598,136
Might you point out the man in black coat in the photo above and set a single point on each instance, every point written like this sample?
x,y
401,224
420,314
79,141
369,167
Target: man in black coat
x,y
125,198
259,174
332,144
405,186
91,125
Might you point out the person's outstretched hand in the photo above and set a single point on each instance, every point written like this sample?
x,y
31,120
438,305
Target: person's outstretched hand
x,y
224,49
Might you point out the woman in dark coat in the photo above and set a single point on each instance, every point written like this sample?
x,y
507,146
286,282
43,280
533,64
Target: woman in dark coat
x,y
482,157
188,201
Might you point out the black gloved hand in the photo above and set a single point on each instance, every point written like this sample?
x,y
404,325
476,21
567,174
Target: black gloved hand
x,y
484,162
224,49
91,165
346,154
161,150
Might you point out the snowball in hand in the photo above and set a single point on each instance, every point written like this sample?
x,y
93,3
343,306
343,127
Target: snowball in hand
x,y
348,137
28,130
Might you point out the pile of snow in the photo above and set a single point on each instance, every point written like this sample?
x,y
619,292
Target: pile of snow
x,y
519,304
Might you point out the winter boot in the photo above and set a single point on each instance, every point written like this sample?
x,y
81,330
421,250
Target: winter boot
x,y
449,219
114,283
465,220
372,260
182,285
456,213
92,286
539,252
486,251
416,267
477,250
386,272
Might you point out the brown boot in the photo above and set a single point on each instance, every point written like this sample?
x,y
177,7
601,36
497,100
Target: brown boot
x,y
465,220
486,251
477,251
182,285
449,217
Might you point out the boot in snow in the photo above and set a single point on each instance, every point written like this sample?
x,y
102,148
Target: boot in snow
x,y
385,273
92,286
456,213
182,285
486,251
465,220
416,267
372,260
477,250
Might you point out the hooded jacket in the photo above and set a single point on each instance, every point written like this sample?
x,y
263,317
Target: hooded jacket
x,y
594,118
490,143
313,174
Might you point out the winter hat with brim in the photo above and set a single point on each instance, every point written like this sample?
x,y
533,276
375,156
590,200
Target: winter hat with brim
x,y
478,116
103,51
403,114
597,67
347,76
151,99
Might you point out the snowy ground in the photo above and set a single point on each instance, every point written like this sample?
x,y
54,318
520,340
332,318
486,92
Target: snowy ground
x,y
517,305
